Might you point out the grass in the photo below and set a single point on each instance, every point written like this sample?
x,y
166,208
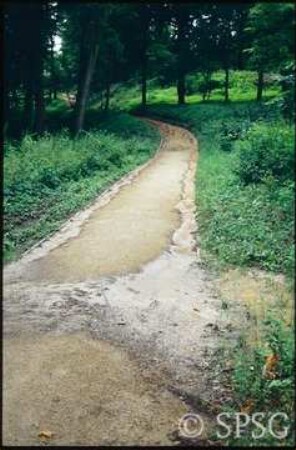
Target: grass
x,y
244,225
242,88
263,383
48,179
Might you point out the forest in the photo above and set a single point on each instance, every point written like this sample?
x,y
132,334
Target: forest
x,y
80,80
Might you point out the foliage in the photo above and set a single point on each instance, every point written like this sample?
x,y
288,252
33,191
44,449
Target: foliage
x,y
231,131
263,379
267,150
271,28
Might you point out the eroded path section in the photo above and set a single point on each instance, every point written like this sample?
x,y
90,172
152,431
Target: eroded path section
x,y
135,227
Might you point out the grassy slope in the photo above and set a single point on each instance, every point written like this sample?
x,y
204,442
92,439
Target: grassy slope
x,y
240,225
242,88
47,180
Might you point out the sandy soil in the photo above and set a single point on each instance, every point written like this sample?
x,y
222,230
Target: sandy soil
x,y
111,325
82,391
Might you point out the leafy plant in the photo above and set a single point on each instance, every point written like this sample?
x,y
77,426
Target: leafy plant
x,y
266,150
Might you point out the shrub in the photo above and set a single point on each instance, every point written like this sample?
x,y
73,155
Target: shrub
x,y
231,131
266,150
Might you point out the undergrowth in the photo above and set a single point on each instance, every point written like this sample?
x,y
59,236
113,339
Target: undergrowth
x,y
49,178
263,387
244,184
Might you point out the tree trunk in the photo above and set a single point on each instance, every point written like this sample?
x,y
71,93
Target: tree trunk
x,y
6,102
102,100
53,76
83,88
37,72
15,99
260,85
39,111
144,82
144,59
28,107
181,88
107,103
38,91
6,109
226,94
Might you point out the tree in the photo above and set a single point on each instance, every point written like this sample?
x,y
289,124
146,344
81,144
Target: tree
x,y
225,25
84,32
26,51
270,27
182,17
88,53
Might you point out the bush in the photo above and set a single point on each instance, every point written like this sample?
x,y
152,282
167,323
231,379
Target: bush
x,y
266,150
231,131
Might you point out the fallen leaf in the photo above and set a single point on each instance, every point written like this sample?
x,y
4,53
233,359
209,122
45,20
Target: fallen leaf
x,y
247,406
269,368
45,434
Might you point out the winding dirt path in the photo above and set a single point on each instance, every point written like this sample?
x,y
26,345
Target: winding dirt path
x,y
109,324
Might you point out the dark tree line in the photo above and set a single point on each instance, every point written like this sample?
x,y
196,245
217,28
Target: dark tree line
x,y
108,43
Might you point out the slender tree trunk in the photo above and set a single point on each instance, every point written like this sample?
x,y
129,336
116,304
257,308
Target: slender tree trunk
x,y
83,89
89,49
226,94
53,75
102,100
15,99
107,103
6,101
39,111
37,72
38,91
144,81
6,109
28,106
144,59
260,85
181,88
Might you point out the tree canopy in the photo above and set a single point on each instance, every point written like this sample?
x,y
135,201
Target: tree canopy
x,y
107,43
